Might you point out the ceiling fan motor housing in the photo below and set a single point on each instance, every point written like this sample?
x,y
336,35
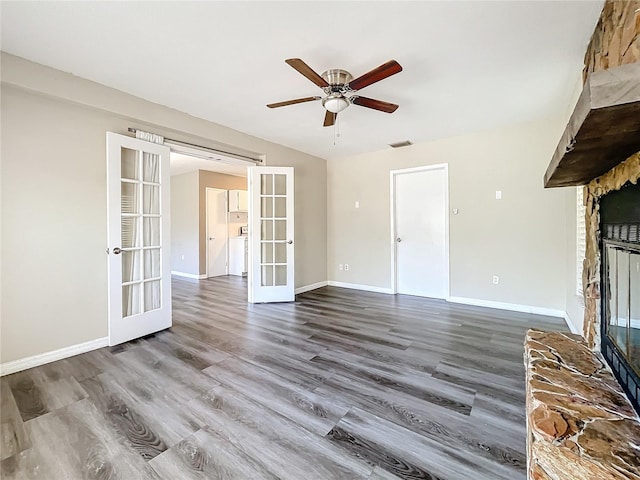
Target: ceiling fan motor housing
x,y
337,77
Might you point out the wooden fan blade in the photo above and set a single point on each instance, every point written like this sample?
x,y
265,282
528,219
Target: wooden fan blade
x,y
307,71
329,119
375,104
383,71
293,102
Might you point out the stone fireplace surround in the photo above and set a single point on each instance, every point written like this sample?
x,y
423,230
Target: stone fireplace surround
x,y
580,425
627,172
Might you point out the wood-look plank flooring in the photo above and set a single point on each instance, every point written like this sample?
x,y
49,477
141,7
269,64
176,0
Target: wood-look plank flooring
x,y
341,384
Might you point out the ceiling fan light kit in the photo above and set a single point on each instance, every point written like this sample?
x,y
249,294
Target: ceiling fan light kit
x,y
339,86
335,103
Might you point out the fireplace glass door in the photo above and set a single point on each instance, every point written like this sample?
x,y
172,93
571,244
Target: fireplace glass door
x,y
622,301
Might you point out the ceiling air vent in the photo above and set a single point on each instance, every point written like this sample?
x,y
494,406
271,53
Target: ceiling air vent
x,y
404,143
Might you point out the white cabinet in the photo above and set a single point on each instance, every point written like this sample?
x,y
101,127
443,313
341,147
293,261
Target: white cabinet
x,y
238,201
238,252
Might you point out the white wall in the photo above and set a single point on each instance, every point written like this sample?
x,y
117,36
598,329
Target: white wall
x,y
185,223
520,238
53,188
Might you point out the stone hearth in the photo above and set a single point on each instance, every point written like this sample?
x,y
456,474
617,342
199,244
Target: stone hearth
x,y
580,425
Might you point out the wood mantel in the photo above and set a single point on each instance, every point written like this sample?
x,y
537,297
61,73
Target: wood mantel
x,y
603,130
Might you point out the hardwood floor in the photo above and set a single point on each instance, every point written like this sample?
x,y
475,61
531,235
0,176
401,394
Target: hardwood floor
x,y
341,384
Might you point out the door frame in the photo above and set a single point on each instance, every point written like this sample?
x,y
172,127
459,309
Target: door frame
x,y
393,174
206,227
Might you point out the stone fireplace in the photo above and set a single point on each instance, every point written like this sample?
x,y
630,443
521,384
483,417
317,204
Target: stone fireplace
x,y
583,392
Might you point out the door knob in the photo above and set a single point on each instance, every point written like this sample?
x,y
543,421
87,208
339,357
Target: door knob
x,y
212,238
398,239
290,242
117,251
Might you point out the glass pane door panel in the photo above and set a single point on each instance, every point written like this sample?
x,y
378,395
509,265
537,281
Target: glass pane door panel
x,y
612,273
152,263
280,184
266,255
266,184
634,288
266,207
280,253
267,275
151,231
623,288
280,209
281,275
266,230
619,325
634,333
152,295
129,232
131,266
130,201
151,199
280,229
129,164
150,168
131,300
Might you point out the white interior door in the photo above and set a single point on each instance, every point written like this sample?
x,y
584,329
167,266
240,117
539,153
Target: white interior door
x,y
139,238
217,232
420,197
271,242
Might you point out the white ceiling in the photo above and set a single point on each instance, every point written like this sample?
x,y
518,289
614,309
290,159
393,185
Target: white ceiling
x,y
184,163
468,65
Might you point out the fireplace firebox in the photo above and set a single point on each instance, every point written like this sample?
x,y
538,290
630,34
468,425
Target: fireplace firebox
x,y
620,287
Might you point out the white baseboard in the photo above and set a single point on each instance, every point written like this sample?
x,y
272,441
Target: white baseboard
x,y
355,286
514,307
62,353
313,286
572,326
188,275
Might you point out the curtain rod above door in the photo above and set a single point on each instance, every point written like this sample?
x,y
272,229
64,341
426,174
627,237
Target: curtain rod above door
x,y
237,156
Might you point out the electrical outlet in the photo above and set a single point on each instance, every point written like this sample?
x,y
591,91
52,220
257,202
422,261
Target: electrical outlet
x,y
346,266
340,267
496,280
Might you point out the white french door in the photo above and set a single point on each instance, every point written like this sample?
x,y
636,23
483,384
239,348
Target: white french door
x,y
139,238
271,242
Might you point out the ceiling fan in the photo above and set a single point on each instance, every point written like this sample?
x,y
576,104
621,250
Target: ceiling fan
x,y
339,86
